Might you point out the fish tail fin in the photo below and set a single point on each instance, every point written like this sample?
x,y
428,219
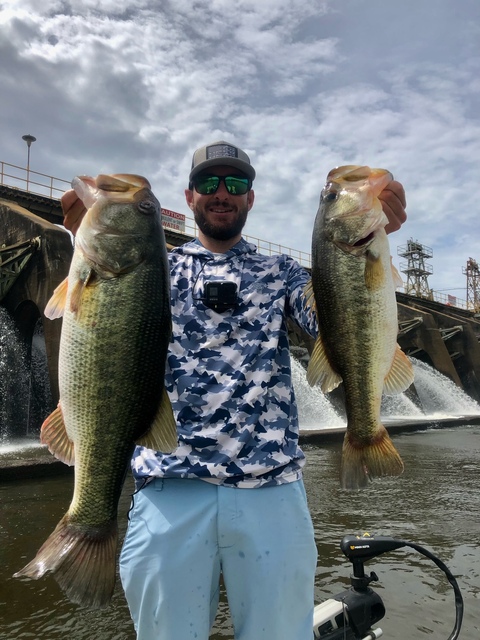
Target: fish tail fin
x,y
362,462
82,561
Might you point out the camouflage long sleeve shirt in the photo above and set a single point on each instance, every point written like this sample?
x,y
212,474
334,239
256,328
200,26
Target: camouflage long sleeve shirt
x,y
228,374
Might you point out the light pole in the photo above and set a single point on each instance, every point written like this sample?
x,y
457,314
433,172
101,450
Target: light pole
x,y
28,139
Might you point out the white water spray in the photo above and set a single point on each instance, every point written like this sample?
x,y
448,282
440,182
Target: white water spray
x,y
440,398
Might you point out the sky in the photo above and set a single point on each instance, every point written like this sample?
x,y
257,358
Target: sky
x,y
302,87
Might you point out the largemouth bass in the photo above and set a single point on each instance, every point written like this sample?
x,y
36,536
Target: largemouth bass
x,y
116,327
353,284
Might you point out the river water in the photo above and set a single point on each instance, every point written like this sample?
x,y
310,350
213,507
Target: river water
x,y
436,504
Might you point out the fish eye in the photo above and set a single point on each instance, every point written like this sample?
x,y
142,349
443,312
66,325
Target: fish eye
x,y
330,196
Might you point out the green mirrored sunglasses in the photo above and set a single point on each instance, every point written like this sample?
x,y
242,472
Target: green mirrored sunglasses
x,y
205,185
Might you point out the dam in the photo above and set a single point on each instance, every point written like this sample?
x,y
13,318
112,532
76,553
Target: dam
x,y
36,250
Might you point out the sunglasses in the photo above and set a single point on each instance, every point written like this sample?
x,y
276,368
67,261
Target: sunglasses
x,y
235,185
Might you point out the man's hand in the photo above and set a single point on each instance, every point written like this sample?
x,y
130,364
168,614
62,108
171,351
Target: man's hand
x,y
73,210
393,204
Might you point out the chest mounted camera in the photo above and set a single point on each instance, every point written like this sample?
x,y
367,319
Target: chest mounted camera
x,y
220,296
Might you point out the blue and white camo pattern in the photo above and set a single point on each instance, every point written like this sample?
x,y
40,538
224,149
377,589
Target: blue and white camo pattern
x,y
228,374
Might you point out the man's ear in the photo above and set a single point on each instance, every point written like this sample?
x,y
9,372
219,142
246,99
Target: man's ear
x,y
189,198
250,199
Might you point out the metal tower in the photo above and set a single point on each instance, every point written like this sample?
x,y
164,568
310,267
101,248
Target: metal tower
x,y
472,272
416,269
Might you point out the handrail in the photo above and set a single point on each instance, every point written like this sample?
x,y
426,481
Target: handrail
x,y
33,182
54,187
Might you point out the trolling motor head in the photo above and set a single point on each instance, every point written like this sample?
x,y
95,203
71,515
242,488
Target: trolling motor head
x,y
360,549
355,611
362,606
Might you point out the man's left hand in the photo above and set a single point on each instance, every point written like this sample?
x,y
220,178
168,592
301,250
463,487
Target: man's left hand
x,y
393,204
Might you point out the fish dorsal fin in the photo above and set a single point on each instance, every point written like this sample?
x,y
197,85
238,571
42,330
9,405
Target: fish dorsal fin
x,y
320,371
54,435
400,376
162,435
56,305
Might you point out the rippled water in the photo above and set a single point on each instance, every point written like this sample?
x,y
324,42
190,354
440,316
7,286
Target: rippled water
x,y
436,503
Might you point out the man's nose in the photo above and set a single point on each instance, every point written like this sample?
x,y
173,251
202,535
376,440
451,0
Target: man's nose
x,y
222,189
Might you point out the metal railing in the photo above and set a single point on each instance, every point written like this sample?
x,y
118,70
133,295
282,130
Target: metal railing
x,y
449,301
32,181
42,184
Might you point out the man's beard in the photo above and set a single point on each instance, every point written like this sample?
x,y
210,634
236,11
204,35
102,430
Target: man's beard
x,y
220,231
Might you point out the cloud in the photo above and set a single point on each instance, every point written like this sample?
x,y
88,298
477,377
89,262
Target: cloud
x,y
302,87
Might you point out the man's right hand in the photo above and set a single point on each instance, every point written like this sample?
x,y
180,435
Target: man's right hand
x,y
73,210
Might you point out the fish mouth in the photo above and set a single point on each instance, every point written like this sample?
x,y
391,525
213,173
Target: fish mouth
x,y
363,241
358,247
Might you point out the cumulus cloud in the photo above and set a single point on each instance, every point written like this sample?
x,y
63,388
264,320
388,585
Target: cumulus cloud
x,y
302,87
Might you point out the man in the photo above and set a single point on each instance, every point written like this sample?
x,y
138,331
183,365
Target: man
x,y
230,499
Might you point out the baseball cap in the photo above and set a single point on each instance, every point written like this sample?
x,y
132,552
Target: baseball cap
x,y
221,153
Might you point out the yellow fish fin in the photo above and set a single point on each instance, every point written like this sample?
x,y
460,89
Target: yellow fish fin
x,y
397,278
54,435
363,461
320,371
374,273
400,376
78,288
162,435
309,296
56,305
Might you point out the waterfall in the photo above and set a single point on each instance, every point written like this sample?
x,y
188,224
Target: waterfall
x,y
440,398
14,378
314,408
25,397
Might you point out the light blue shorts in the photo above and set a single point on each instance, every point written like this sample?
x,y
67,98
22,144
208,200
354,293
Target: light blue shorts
x,y
183,533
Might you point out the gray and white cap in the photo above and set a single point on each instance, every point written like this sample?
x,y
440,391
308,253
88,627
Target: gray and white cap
x,y
221,153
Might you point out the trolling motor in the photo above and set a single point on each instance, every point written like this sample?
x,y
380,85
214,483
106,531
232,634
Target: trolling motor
x,y
351,614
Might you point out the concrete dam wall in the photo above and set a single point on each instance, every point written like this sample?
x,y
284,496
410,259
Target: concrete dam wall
x,y
35,256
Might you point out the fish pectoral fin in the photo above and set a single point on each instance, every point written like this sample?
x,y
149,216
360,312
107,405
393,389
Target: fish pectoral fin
x,y
54,435
320,370
56,305
397,278
309,295
78,289
374,272
400,376
162,435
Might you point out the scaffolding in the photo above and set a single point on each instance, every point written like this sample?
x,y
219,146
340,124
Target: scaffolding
x,y
416,269
12,261
472,272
